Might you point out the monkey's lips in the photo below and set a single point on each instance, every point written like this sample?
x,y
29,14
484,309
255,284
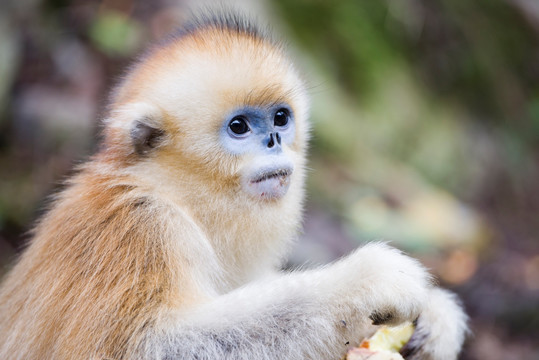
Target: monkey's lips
x,y
270,184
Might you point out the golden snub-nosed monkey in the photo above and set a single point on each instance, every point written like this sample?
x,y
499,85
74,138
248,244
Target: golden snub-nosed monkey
x,y
165,244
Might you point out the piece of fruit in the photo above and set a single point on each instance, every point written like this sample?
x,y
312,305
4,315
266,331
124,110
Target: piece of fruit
x,y
389,338
385,344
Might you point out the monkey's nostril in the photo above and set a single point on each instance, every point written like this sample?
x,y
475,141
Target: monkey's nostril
x,y
271,142
278,138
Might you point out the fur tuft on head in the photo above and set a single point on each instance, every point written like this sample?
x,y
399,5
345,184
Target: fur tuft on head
x,y
224,20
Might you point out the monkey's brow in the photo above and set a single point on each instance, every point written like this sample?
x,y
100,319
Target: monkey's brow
x,y
270,95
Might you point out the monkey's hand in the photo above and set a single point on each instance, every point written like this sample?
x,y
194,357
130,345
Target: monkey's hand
x,y
440,331
385,285
396,288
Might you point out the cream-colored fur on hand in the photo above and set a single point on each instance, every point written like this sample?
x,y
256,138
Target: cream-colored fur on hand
x,y
441,328
383,280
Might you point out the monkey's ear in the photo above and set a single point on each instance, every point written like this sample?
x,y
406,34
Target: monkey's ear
x,y
135,128
145,138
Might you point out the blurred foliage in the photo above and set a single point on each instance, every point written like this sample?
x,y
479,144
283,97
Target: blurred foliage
x,y
426,131
115,34
424,97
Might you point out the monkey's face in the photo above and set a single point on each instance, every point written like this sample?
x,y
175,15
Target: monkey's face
x,y
263,133
231,111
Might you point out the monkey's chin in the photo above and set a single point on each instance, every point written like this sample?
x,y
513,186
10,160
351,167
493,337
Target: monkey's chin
x,y
271,184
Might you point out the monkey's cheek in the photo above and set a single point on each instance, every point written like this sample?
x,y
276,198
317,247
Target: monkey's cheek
x,y
272,188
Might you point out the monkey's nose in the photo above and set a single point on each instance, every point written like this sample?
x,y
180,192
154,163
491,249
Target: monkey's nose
x,y
274,137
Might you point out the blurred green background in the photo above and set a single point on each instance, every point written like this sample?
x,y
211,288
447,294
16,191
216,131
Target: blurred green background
x,y
426,131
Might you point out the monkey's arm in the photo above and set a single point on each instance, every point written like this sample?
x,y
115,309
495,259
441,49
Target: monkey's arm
x,y
313,314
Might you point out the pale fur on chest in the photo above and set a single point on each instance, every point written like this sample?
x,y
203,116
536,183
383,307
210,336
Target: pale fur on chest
x,y
248,240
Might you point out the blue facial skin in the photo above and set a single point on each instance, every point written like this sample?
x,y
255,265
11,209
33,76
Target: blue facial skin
x,y
264,136
261,132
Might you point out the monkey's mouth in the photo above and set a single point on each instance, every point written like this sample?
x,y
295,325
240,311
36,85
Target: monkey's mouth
x,y
281,174
269,183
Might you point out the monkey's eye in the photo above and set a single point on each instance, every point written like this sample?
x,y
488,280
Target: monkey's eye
x,y
281,118
238,126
